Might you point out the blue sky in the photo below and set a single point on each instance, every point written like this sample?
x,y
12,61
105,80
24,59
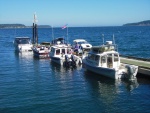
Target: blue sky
x,y
74,12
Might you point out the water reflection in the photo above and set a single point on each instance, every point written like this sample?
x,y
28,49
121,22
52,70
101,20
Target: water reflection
x,y
24,55
106,89
64,75
130,85
61,69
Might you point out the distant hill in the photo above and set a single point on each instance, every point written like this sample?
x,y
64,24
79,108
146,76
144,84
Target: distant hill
x,y
12,26
142,23
21,26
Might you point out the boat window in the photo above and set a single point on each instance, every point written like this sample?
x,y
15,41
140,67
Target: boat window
x,y
23,41
103,59
96,58
109,58
93,57
89,56
63,51
82,42
57,51
116,58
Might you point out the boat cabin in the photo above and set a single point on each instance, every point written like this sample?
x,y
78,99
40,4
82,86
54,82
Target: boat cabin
x,y
58,50
107,60
104,56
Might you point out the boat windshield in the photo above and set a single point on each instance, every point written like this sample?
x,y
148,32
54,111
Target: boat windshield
x,y
83,42
23,41
58,40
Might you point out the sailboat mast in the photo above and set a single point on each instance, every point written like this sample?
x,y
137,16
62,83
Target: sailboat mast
x,y
35,33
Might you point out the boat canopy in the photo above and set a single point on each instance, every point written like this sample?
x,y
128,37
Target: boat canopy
x,y
79,40
22,40
104,48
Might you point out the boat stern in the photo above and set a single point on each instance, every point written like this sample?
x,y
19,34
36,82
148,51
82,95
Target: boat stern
x,y
24,48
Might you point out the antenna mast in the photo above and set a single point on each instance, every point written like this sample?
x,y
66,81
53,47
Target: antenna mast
x,y
103,38
113,39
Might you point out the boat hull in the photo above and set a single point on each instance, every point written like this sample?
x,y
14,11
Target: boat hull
x,y
108,72
23,48
57,60
40,53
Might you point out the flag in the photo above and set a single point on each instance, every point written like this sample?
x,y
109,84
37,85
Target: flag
x,y
65,26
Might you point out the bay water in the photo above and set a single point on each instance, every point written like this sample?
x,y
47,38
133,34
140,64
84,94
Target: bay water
x,y
30,85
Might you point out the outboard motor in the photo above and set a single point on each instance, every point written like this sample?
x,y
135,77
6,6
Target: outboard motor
x,y
67,62
73,62
130,72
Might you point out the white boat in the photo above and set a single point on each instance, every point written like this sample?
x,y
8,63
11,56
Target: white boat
x,y
42,50
82,43
23,44
105,60
62,55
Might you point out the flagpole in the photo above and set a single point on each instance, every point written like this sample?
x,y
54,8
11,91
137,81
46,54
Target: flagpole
x,y
64,27
52,33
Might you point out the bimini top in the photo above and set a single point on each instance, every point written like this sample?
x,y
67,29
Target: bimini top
x,y
104,48
79,40
22,40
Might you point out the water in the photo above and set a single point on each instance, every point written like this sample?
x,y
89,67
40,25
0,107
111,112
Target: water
x,y
39,86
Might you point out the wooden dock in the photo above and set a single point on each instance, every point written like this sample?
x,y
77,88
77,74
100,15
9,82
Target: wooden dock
x,y
144,64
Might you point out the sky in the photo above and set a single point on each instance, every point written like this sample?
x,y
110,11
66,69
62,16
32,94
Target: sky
x,y
75,13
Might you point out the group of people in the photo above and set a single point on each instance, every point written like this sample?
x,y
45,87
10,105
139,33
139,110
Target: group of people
x,y
78,48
